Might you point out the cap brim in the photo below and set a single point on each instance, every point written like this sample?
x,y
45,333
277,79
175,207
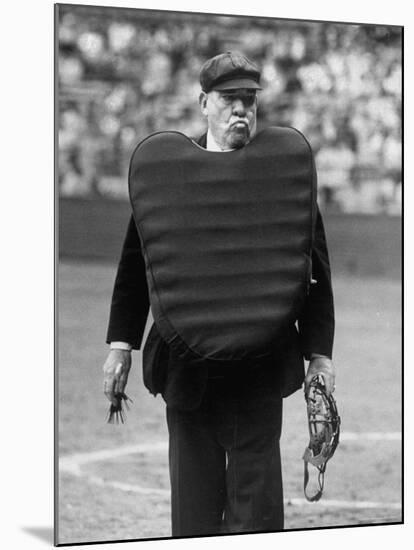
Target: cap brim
x,y
236,83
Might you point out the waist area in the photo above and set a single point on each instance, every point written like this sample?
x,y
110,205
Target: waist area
x,y
246,368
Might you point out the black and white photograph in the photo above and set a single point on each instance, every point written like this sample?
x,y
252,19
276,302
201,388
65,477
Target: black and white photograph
x,y
228,208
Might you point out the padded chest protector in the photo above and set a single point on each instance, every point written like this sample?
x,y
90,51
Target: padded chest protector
x,y
227,240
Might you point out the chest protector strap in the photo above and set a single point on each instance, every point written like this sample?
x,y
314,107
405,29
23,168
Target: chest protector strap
x,y
227,240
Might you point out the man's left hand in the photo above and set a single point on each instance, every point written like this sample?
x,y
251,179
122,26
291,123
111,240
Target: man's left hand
x,y
324,367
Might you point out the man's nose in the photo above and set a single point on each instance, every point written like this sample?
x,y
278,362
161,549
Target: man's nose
x,y
239,107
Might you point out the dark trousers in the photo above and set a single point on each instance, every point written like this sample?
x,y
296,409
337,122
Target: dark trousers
x,y
224,456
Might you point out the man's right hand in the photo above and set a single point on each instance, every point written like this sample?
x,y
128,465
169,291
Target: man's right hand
x,y
116,370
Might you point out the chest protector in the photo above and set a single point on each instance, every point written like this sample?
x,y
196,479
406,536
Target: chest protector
x,y
227,240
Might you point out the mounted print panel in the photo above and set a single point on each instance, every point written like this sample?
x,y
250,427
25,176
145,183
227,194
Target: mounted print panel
x,y
238,222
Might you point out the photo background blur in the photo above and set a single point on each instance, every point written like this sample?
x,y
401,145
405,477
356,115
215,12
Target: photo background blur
x,y
123,74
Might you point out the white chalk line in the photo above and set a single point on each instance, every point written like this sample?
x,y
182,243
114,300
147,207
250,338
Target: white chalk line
x,y
296,502
128,487
72,464
74,461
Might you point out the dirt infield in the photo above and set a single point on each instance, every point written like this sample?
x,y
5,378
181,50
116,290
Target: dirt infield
x,y
113,480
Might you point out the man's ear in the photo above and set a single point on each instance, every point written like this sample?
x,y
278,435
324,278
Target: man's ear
x,y
202,100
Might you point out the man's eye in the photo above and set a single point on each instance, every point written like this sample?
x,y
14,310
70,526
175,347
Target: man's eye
x,y
247,99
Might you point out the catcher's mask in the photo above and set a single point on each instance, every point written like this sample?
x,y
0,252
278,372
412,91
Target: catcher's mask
x,y
324,422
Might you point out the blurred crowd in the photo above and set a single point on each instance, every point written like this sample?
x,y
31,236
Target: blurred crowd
x,y
124,74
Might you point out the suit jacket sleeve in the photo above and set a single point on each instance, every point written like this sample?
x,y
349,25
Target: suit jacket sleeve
x,y
130,301
316,324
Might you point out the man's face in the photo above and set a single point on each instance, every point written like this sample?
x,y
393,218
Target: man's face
x,y
231,116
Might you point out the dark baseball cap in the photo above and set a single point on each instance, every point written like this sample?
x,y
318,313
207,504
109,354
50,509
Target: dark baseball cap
x,y
229,71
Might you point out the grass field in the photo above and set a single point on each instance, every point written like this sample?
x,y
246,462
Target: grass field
x,y
113,479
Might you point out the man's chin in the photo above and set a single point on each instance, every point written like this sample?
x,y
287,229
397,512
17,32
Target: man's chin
x,y
239,138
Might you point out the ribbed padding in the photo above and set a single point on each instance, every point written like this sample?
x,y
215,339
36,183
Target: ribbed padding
x,y
226,239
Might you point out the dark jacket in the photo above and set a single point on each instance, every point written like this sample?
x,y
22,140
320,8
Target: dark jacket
x,y
183,386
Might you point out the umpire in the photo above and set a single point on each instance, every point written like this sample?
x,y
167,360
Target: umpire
x,y
224,420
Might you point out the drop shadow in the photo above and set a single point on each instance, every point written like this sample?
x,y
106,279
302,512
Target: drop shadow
x,y
42,533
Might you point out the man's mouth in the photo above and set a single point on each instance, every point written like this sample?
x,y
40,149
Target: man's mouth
x,y
240,127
